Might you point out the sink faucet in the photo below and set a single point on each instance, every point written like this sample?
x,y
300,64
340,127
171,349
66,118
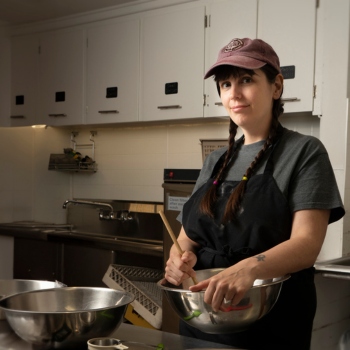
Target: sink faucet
x,y
103,216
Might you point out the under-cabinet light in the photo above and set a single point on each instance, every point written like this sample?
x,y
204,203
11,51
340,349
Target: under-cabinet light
x,y
39,126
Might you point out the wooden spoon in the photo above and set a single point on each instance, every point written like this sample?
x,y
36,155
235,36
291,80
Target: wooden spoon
x,y
172,235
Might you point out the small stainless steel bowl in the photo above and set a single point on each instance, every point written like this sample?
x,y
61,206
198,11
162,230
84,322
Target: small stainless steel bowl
x,y
14,286
191,308
67,317
103,343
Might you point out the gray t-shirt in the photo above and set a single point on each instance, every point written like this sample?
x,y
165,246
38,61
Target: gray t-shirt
x,y
302,171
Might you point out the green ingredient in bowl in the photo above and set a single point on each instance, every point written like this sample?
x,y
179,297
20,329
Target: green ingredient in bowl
x,y
160,346
195,313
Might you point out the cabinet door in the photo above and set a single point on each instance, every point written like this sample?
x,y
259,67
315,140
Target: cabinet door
x,y
24,75
227,20
113,73
172,64
61,73
84,265
289,27
35,259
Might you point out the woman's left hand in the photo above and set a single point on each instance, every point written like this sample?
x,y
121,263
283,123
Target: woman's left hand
x,y
297,253
226,288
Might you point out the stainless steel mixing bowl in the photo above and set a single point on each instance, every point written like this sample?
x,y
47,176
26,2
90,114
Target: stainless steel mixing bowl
x,y
67,317
14,286
191,307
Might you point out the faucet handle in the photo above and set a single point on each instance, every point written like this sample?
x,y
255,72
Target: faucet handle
x,y
109,216
124,215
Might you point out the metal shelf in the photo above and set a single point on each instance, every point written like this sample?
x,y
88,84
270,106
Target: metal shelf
x,y
62,162
78,167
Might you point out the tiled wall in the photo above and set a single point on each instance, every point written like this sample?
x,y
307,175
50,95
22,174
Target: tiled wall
x,y
17,174
131,161
130,167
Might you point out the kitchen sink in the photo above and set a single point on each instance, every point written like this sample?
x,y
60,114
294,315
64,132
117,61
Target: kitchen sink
x,y
63,232
35,225
155,245
32,229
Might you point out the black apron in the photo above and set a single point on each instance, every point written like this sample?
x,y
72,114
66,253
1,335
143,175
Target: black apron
x,y
263,222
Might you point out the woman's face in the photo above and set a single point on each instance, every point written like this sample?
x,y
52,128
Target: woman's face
x,y
248,99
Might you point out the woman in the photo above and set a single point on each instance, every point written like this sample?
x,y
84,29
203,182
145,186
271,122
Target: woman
x,y
260,207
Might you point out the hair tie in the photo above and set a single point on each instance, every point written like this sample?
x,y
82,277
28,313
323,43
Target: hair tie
x,y
215,182
244,178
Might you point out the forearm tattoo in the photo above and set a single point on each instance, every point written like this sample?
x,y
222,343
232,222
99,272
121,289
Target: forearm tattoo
x,y
260,257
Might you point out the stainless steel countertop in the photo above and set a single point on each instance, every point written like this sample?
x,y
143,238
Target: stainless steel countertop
x,y
63,233
126,332
338,268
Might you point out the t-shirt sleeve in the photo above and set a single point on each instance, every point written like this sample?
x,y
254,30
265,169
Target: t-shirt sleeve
x,y
313,184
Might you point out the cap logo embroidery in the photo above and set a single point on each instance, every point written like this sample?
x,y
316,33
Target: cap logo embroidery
x,y
235,44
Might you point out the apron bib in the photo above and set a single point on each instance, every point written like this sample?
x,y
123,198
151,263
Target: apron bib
x,y
263,222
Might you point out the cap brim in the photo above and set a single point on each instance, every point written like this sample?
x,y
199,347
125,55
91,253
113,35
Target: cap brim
x,y
237,61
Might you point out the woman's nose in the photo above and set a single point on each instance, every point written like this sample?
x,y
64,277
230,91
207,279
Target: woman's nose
x,y
235,91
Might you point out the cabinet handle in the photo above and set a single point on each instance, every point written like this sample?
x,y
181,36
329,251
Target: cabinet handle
x,y
287,99
17,117
290,99
169,107
57,115
114,111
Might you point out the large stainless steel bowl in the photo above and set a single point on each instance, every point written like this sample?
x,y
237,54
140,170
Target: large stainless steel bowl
x,y
191,308
14,286
68,317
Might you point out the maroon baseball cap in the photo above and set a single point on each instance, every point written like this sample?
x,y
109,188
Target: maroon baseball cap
x,y
246,53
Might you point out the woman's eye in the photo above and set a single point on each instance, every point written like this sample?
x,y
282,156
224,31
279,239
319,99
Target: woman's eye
x,y
246,80
225,85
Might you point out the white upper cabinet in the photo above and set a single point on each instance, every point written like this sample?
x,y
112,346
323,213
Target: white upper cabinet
x,y
61,77
172,63
24,77
226,20
289,27
113,72
150,66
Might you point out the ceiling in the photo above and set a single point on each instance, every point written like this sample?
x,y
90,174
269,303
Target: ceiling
x,y
25,11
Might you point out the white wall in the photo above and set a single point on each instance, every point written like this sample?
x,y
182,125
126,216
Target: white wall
x,y
5,58
332,72
131,160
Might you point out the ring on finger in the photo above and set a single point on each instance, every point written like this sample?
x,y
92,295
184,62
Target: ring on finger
x,y
227,301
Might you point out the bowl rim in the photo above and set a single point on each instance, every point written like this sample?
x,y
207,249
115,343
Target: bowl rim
x,y
62,289
16,281
258,283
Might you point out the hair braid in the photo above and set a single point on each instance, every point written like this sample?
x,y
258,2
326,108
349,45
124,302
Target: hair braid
x,y
210,197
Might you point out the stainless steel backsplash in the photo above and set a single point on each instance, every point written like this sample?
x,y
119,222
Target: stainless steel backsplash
x,y
133,219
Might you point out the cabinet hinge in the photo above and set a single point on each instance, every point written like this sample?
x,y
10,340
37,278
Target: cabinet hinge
x,y
315,90
317,4
204,99
206,21
39,49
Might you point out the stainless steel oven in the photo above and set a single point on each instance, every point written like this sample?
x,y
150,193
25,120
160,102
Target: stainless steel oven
x,y
178,185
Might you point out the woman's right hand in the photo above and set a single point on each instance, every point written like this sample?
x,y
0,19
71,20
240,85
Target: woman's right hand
x,y
180,267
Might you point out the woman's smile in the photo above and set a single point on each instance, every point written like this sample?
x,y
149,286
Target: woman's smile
x,y
239,108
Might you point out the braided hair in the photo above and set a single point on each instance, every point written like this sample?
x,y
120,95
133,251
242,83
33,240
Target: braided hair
x,y
235,199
